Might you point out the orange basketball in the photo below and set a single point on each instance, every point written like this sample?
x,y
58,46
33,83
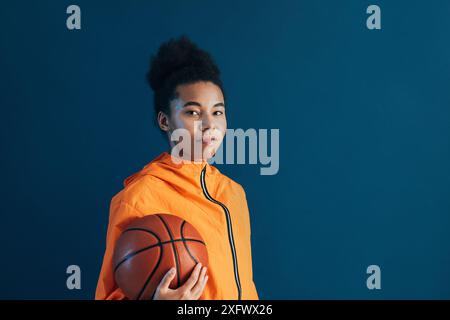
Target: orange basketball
x,y
149,247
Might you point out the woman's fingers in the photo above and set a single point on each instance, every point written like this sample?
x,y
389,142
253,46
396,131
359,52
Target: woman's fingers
x,y
192,280
168,277
191,290
197,290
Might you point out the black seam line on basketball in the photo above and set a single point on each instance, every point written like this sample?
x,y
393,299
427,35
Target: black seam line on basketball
x,y
185,245
140,229
174,247
153,271
151,232
138,251
144,287
132,254
229,229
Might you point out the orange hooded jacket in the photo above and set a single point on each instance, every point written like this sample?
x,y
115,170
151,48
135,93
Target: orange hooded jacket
x,y
200,194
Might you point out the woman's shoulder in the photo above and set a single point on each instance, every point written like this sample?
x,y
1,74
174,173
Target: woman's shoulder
x,y
231,183
145,187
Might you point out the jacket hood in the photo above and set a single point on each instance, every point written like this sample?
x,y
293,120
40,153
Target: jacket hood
x,y
164,163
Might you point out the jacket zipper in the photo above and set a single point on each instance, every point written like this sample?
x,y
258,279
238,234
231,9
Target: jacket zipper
x,y
229,228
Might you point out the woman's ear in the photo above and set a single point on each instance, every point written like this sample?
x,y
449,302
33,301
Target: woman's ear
x,y
163,121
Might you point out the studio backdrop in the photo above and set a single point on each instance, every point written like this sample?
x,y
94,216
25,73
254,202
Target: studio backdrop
x,y
352,98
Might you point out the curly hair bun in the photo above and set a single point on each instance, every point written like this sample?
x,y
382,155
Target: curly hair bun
x,y
182,59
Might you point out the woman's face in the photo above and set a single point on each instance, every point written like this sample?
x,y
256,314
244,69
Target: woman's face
x,y
199,109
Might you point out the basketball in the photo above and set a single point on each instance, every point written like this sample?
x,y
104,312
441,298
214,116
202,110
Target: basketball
x,y
149,247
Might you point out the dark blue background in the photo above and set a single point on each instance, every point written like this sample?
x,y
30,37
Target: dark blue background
x,y
364,124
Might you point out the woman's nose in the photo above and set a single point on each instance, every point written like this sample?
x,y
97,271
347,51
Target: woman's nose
x,y
207,122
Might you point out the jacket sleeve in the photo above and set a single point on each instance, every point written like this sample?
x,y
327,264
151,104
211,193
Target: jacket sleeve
x,y
253,295
121,214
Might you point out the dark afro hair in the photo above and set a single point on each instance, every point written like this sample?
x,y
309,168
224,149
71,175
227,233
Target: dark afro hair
x,y
178,62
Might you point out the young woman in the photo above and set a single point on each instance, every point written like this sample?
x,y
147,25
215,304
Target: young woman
x,y
188,97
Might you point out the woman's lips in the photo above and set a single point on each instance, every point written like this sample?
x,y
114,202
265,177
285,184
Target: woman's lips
x,y
208,140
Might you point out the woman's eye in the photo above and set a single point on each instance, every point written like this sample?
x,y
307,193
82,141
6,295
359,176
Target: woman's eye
x,y
192,112
218,113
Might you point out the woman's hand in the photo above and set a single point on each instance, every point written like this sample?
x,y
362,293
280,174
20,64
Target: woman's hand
x,y
191,290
